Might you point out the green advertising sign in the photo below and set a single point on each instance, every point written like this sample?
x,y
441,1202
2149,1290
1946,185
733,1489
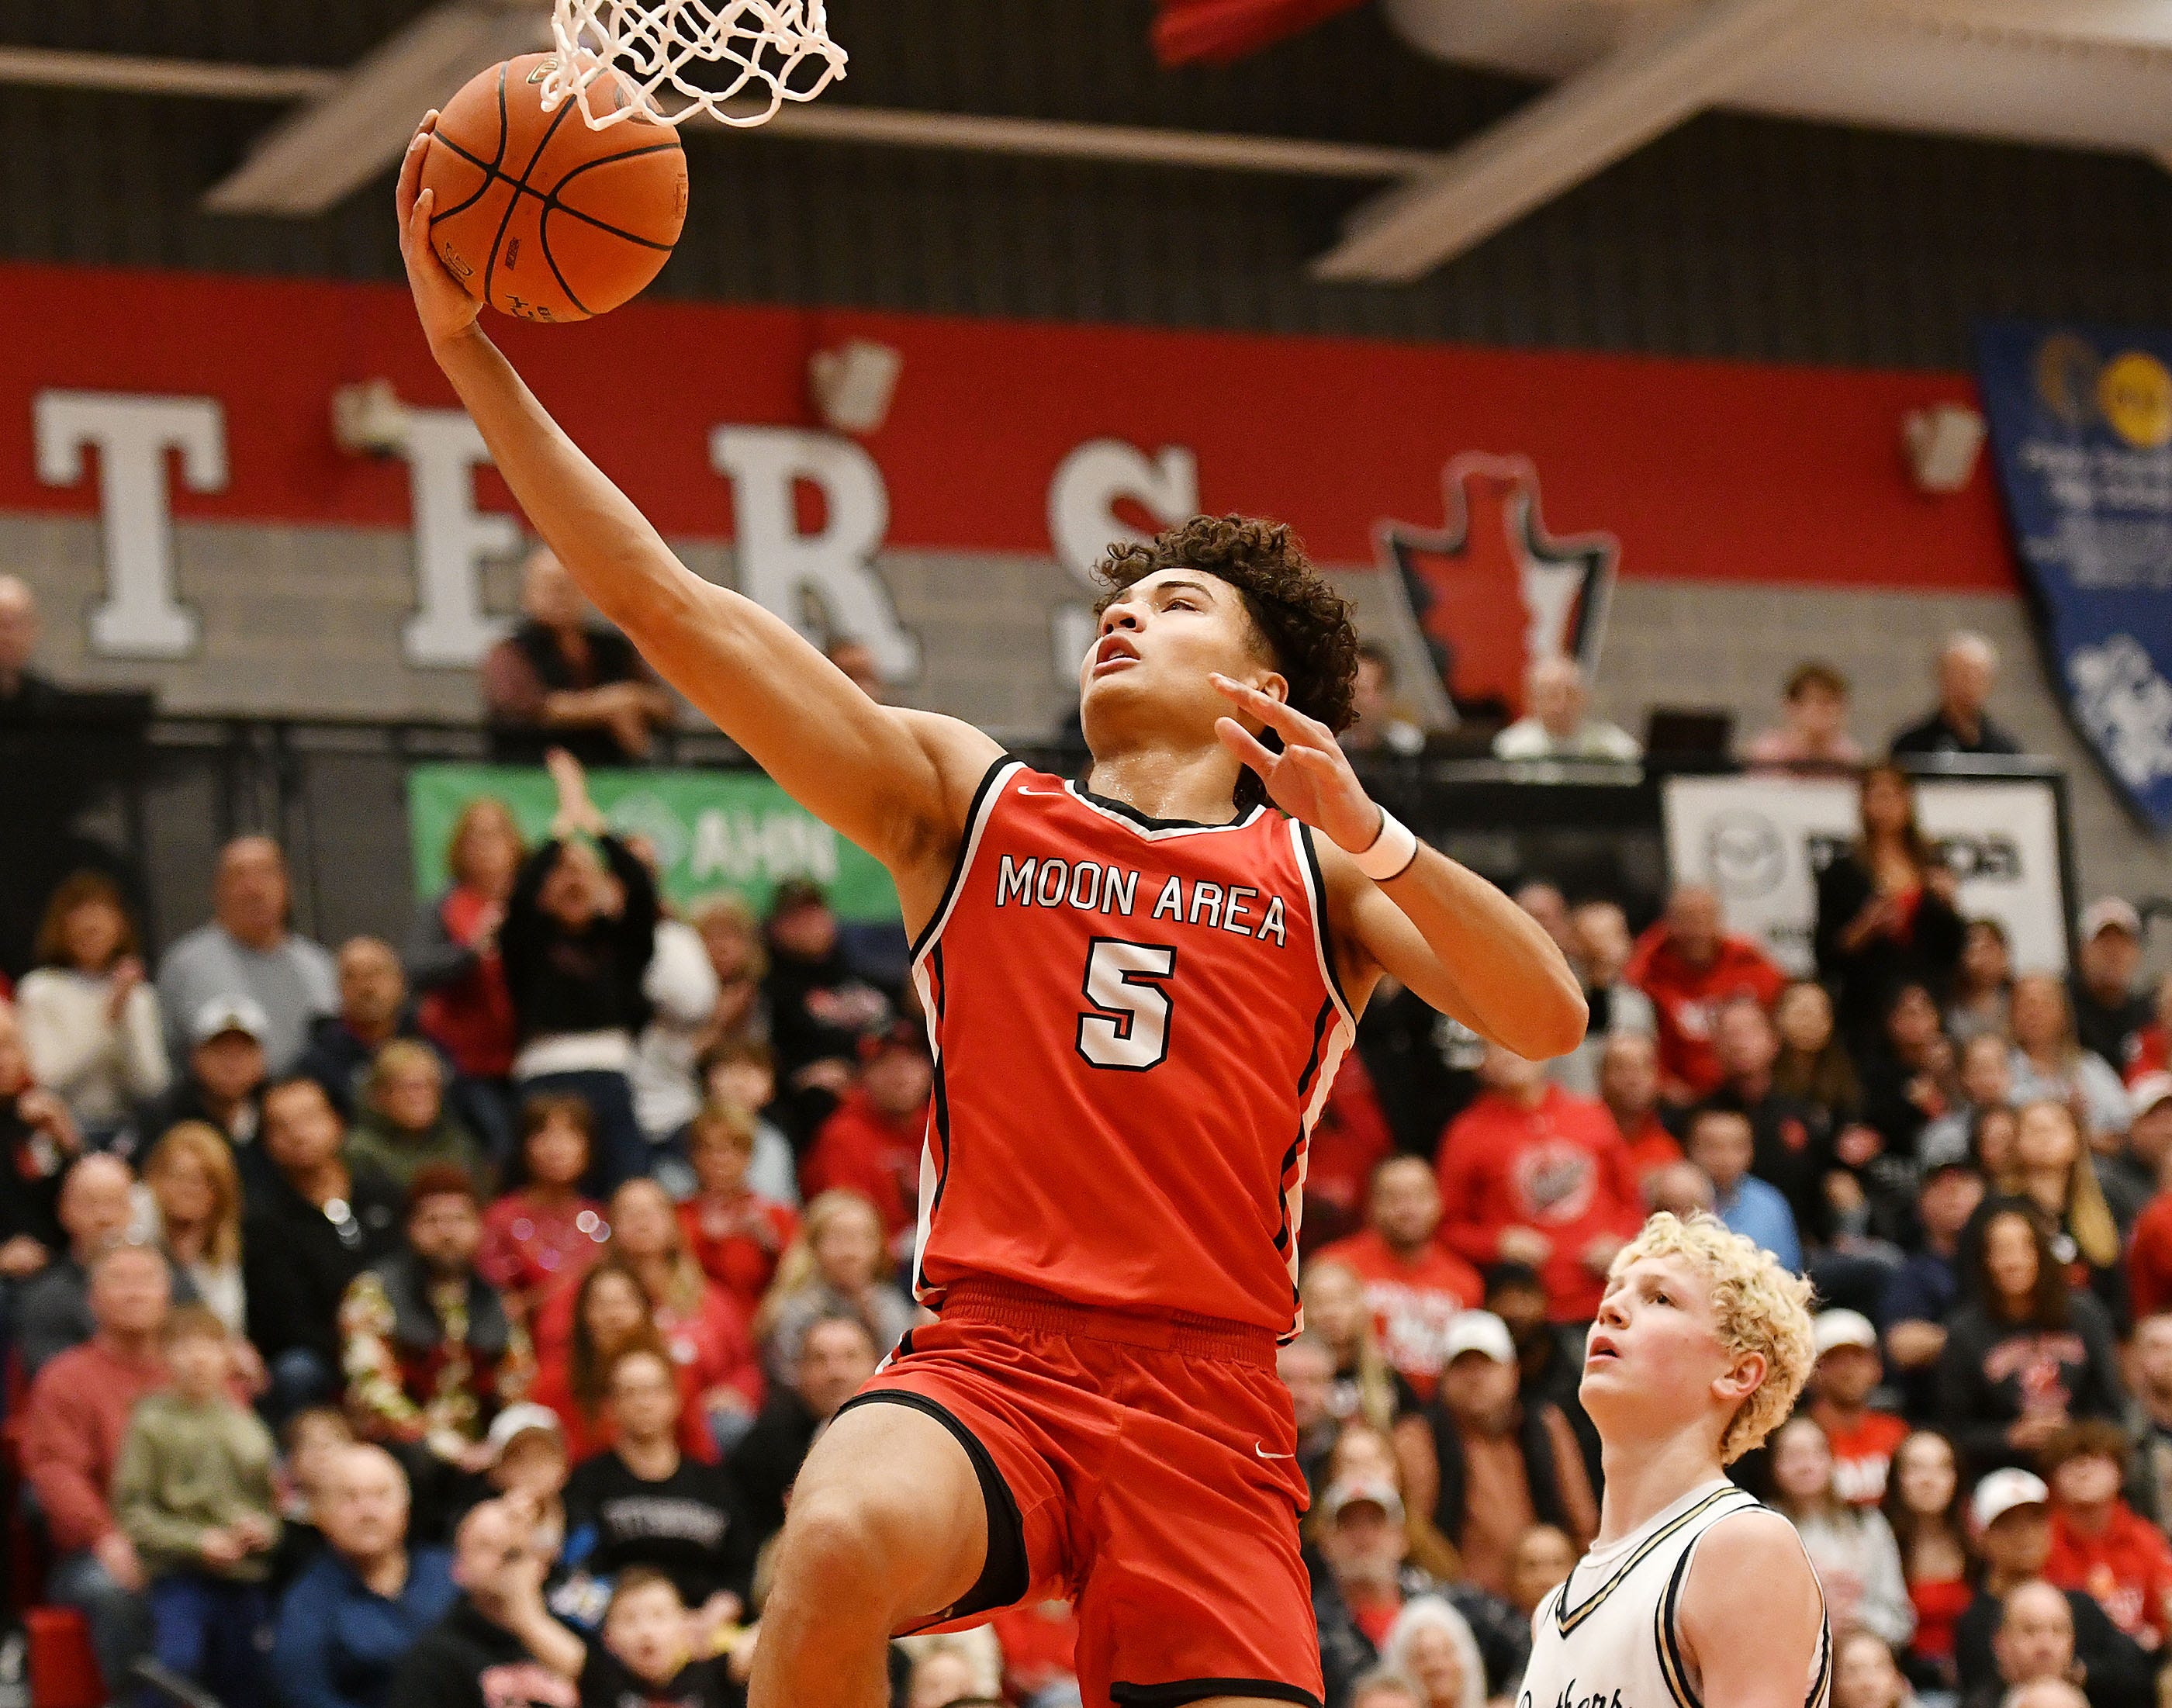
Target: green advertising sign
x,y
711,830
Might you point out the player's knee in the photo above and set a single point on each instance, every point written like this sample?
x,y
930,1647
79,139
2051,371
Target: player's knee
x,y
834,1546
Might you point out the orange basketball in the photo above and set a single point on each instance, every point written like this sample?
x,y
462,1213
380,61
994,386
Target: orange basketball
x,y
540,216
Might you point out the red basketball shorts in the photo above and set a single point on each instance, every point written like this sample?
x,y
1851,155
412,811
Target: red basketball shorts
x,y
1143,1467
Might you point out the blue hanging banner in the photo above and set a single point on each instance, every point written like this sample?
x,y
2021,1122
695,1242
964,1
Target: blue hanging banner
x,y
2081,432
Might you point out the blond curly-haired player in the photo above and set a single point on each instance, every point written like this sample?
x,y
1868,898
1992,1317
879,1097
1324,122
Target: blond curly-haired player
x,y
1694,1592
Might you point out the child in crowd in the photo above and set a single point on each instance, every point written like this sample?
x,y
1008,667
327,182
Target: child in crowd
x,y
2099,1544
192,1490
644,1659
312,1437
736,1234
742,1074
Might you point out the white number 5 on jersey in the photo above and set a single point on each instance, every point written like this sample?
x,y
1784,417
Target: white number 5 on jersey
x,y
1127,1027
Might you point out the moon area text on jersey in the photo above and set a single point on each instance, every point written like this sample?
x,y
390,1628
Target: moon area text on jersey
x,y
1090,887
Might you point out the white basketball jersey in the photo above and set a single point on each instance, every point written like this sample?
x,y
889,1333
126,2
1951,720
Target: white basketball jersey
x,y
1608,1637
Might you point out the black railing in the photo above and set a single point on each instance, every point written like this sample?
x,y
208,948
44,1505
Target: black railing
x,y
153,801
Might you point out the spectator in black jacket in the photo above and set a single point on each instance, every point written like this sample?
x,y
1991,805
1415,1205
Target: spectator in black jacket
x,y
372,1012
561,679
499,1647
2109,1011
2012,1519
820,1004
1968,666
836,1356
2025,1354
1503,1464
1885,912
1549,1355
576,942
38,1139
52,1309
313,1226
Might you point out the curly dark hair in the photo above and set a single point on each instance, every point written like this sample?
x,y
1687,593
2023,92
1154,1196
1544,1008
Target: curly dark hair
x,y
1300,619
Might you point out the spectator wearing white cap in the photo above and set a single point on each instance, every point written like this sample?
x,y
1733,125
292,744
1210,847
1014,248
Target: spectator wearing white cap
x,y
1504,1462
2149,1146
2010,1513
1358,1527
222,1081
2109,1011
526,1445
247,951
1847,1372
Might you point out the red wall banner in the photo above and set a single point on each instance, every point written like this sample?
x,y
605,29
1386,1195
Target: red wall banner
x,y
1703,470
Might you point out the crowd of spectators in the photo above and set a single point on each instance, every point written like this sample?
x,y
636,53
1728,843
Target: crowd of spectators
x,y
444,1324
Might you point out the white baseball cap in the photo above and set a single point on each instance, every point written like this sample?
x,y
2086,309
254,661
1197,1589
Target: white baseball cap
x,y
1831,1329
1479,1331
2107,913
2002,1491
229,1013
2147,1093
1353,1491
517,1420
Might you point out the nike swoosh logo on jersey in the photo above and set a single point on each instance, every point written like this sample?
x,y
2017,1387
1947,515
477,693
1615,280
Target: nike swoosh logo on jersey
x,y
1264,1455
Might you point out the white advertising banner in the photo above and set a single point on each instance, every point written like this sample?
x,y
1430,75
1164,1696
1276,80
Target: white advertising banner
x,y
1760,841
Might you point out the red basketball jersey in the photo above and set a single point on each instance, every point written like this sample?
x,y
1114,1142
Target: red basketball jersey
x,y
1135,1022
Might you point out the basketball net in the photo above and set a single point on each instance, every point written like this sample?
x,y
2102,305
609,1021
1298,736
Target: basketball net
x,y
772,51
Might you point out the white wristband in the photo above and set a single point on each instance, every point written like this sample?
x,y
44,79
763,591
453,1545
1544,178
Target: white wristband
x,y
1392,851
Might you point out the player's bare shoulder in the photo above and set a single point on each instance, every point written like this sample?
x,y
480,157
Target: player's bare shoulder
x,y
1752,1617
962,757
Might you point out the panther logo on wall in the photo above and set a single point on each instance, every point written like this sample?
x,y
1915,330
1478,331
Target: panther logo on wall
x,y
1492,591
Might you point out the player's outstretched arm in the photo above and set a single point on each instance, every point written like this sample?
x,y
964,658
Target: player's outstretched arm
x,y
1751,1617
1442,930
895,783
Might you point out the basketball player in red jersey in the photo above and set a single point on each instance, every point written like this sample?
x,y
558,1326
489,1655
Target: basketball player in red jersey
x,y
1137,989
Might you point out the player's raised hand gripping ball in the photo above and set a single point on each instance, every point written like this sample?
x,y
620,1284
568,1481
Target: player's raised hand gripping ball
x,y
540,216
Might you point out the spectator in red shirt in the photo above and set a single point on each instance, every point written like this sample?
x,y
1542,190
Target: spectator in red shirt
x,y
702,1329
2099,1544
610,1315
1690,966
1415,1287
1629,1087
1351,1139
544,1235
2152,1050
873,1142
1533,1175
70,1433
1863,1439
2150,1250
736,1235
